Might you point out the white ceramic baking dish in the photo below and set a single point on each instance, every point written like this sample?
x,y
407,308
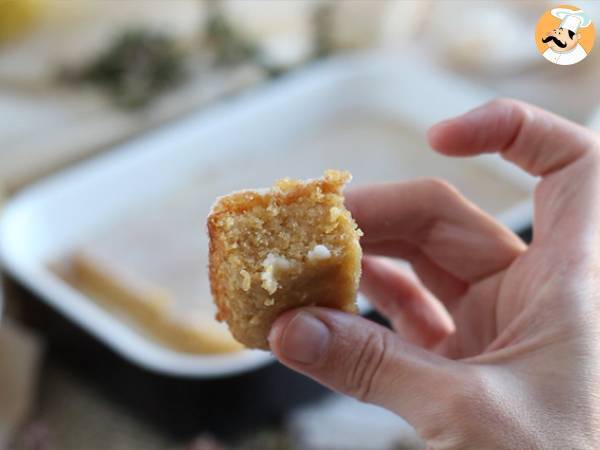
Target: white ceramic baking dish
x,y
47,219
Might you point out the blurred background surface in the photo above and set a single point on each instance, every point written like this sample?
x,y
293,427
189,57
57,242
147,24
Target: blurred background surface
x,y
79,77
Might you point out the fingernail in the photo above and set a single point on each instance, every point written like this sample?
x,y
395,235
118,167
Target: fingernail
x,y
304,339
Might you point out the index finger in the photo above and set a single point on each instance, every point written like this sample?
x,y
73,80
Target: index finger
x,y
564,154
536,140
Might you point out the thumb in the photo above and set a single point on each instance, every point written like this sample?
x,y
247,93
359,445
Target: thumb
x,y
357,357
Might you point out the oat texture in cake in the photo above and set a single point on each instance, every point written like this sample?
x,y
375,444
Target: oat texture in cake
x,y
289,246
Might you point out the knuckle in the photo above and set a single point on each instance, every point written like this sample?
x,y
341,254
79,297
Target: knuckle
x,y
466,400
515,109
441,193
440,188
365,370
471,393
477,400
504,102
510,106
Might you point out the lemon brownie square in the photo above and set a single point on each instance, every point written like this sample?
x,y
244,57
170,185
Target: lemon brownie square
x,y
272,250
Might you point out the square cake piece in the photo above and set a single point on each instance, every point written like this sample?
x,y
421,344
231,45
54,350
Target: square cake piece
x,y
281,248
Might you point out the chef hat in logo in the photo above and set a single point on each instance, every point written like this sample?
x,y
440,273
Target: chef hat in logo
x,y
572,20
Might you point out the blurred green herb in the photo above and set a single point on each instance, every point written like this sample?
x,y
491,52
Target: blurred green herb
x,y
231,48
323,16
136,68
228,45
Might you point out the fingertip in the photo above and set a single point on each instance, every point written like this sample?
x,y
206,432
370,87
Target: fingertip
x,y
440,322
435,134
367,262
377,270
475,131
349,199
447,136
358,200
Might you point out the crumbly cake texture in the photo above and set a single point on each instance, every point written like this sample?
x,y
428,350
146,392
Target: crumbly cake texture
x,y
273,250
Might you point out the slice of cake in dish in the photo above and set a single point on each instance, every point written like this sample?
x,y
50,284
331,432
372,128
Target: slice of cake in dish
x,y
145,268
273,250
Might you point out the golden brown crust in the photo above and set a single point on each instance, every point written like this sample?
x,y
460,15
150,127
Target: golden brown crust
x,y
260,261
284,192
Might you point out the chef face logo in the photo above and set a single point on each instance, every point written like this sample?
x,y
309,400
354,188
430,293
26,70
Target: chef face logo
x,y
561,40
565,35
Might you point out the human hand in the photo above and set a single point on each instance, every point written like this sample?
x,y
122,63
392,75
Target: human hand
x,y
497,343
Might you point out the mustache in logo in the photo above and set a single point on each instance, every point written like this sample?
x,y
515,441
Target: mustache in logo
x,y
556,41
